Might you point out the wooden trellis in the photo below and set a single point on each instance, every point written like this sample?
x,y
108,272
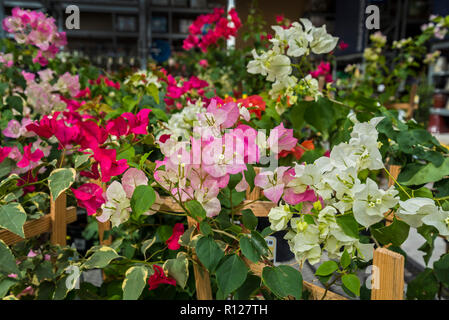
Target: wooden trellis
x,y
55,222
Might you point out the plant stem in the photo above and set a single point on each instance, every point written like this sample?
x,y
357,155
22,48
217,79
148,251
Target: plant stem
x,y
329,285
396,182
156,252
226,234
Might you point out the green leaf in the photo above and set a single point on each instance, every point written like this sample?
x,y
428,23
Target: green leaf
x,y
231,274
81,159
44,271
417,174
205,228
296,114
251,284
61,288
429,233
143,159
152,91
259,243
160,114
209,253
3,87
248,249
5,284
12,218
164,232
266,232
60,180
396,233
146,245
326,268
178,268
441,268
352,283
100,258
129,103
345,259
283,281
127,153
196,209
45,290
6,167
423,287
142,199
135,281
15,102
250,175
321,115
249,219
349,225
186,238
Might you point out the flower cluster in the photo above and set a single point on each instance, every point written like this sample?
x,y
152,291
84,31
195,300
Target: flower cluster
x,y
42,97
35,28
189,90
300,39
181,124
436,26
7,59
80,133
324,70
118,198
200,169
328,189
207,29
108,82
418,211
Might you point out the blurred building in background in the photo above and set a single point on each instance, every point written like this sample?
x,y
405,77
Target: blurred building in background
x,y
117,32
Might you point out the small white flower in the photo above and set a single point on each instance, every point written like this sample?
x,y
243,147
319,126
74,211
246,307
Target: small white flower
x,y
279,217
305,244
305,175
117,206
371,203
412,211
440,220
322,41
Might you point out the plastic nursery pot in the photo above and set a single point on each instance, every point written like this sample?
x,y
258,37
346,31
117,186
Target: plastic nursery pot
x,y
283,252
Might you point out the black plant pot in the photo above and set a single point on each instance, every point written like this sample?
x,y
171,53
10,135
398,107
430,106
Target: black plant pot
x,y
283,252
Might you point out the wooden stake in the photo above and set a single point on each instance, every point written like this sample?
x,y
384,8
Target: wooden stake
x,y
256,194
202,278
103,226
394,172
388,275
58,220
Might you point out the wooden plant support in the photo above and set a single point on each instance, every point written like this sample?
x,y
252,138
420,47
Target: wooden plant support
x,y
55,222
202,278
394,171
103,226
387,275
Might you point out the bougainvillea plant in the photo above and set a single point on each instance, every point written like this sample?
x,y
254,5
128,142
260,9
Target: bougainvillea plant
x,y
168,162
